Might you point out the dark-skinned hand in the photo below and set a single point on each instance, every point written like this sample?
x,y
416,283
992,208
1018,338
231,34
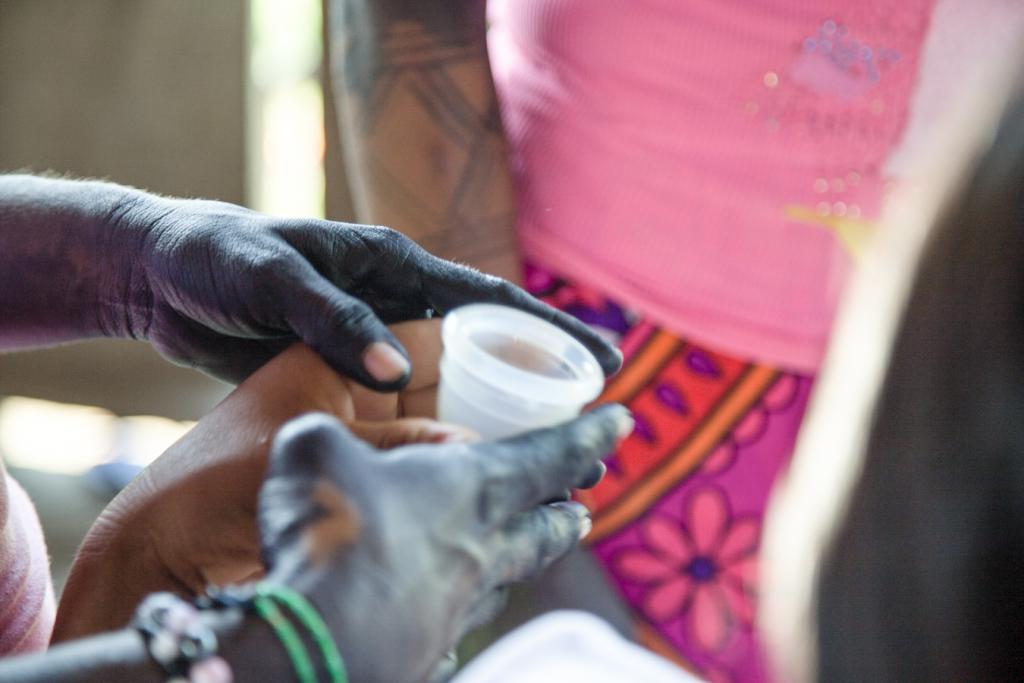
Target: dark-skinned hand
x,y
404,551
224,289
189,519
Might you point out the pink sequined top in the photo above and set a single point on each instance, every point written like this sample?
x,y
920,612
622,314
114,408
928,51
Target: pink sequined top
x,y
716,164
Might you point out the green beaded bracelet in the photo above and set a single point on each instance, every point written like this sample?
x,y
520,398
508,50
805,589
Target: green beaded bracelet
x,y
306,614
289,637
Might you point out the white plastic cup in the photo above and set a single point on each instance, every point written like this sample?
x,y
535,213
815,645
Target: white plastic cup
x,y
504,371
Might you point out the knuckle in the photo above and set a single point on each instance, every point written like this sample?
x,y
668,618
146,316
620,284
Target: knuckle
x,y
549,532
386,234
484,286
336,320
386,241
545,459
273,272
591,438
565,458
502,289
351,312
274,263
492,500
499,487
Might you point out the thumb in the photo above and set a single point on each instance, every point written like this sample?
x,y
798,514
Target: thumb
x,y
315,465
345,332
394,433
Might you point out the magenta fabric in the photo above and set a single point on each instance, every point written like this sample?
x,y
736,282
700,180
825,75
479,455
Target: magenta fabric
x,y
688,564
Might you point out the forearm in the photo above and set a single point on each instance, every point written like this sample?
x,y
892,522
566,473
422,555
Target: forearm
x,y
424,146
189,519
118,656
246,643
64,265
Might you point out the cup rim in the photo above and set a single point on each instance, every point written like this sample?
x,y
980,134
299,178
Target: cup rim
x,y
461,350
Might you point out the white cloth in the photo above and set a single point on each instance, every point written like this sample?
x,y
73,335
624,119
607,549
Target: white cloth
x,y
569,646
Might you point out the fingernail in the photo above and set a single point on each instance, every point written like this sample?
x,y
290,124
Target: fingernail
x,y
385,363
585,526
625,425
581,511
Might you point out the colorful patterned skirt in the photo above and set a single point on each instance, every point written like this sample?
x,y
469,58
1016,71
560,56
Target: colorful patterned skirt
x,y
677,519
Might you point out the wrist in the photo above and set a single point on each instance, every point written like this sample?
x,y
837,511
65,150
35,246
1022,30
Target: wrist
x,y
243,641
116,566
294,641
125,294
249,646
64,248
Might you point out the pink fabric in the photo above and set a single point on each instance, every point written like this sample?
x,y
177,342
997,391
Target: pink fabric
x,y
27,604
690,158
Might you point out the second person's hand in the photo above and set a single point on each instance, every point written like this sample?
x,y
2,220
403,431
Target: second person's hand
x,y
404,551
189,519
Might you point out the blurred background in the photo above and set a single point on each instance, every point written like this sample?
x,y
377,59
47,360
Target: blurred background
x,y
217,99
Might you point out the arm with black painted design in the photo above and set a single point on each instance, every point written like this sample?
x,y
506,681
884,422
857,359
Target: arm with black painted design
x,y
425,151
222,288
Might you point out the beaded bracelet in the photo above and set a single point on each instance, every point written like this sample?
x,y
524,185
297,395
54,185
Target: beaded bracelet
x,y
306,614
289,637
263,599
179,642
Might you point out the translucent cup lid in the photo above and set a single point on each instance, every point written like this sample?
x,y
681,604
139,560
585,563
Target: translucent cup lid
x,y
521,354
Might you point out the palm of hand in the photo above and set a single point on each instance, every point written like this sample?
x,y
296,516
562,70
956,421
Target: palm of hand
x,y
188,520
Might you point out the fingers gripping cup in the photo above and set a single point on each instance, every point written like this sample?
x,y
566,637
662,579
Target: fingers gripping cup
x,y
504,371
